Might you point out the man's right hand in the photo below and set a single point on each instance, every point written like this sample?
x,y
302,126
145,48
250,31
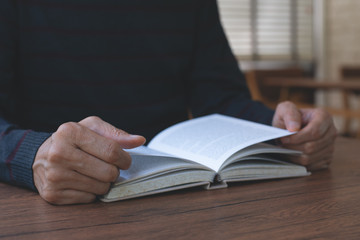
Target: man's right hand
x,y
81,160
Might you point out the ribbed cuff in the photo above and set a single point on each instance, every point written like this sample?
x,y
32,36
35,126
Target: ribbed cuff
x,y
21,165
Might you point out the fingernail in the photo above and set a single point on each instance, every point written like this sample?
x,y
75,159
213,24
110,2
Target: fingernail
x,y
134,136
293,126
137,137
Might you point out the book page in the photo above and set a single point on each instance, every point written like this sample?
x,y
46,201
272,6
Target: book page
x,y
148,163
210,140
259,148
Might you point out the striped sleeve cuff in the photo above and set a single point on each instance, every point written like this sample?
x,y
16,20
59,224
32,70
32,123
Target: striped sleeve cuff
x,y
21,164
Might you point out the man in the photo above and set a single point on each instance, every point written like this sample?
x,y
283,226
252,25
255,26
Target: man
x,y
72,70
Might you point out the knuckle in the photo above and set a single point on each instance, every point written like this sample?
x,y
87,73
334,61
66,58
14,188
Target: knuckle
x,y
50,196
78,164
68,128
53,176
92,119
112,174
55,153
70,132
304,160
309,147
104,189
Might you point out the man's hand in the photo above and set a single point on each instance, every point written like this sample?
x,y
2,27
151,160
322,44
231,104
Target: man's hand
x,y
81,160
315,137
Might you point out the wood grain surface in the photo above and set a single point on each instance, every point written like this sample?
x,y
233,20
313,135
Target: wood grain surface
x,y
325,205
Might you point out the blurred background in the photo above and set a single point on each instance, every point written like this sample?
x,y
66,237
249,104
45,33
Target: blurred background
x,y
307,51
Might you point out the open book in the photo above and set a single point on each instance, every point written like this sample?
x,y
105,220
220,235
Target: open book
x,y
206,151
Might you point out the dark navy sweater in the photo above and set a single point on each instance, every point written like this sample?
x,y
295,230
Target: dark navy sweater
x,y
138,64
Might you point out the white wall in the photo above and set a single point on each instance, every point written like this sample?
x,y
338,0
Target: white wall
x,y
342,44
343,34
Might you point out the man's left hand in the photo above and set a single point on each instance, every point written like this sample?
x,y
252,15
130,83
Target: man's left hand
x,y
315,135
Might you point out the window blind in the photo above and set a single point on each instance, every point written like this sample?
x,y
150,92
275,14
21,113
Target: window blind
x,y
269,29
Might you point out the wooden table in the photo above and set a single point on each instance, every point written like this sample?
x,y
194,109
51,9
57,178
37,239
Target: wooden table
x,y
325,205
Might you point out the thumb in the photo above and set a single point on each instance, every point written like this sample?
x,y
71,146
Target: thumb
x,y
107,130
287,116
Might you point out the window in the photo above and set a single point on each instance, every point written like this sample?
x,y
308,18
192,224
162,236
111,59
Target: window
x,y
269,29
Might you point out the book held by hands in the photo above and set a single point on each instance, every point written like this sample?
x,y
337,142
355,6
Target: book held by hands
x,y
208,151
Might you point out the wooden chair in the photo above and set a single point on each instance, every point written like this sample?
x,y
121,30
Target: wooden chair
x,y
303,97
351,73
271,96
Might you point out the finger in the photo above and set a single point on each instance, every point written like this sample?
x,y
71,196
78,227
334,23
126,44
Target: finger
x,y
312,147
287,116
89,165
78,136
319,166
59,179
318,123
68,196
85,163
324,155
105,129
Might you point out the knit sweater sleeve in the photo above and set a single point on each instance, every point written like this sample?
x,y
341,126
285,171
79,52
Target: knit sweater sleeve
x,y
217,83
17,146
